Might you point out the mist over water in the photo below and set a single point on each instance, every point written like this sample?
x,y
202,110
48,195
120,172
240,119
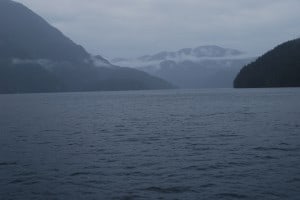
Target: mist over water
x,y
176,144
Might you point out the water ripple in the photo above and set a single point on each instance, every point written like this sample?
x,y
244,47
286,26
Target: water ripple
x,y
169,189
232,195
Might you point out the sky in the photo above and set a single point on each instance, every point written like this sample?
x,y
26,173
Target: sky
x,y
131,28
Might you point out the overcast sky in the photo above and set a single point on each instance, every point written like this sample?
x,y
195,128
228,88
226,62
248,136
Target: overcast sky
x,y
130,28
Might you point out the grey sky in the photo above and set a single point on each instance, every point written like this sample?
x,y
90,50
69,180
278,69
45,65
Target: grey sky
x,y
129,28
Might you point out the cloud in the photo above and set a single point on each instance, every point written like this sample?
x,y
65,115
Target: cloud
x,y
122,28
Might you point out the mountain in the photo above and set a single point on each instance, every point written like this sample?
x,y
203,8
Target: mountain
x,y
279,67
36,57
201,67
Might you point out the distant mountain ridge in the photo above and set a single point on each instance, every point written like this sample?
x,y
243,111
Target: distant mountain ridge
x,y
279,67
36,57
201,52
202,67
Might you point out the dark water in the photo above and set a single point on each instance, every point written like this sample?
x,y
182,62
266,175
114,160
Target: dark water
x,y
197,144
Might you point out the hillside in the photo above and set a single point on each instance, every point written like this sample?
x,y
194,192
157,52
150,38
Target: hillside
x,y
279,67
36,57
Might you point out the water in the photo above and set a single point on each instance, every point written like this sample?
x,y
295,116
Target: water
x,y
179,144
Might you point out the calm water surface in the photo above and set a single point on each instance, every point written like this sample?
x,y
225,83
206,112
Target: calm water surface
x,y
179,144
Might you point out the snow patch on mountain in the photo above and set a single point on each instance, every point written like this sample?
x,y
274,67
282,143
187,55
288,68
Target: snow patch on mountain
x,y
198,54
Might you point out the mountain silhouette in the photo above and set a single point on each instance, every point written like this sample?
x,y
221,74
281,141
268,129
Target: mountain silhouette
x,y
279,67
36,57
